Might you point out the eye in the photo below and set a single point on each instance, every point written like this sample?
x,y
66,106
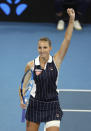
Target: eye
x,y
45,47
39,47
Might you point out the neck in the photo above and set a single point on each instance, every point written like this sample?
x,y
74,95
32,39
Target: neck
x,y
43,59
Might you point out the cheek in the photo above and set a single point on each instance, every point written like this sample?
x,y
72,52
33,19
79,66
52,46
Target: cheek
x,y
39,50
46,51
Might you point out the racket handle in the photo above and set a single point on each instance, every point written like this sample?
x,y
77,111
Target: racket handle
x,y
23,115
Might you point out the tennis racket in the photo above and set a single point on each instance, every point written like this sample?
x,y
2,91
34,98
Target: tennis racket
x,y
25,89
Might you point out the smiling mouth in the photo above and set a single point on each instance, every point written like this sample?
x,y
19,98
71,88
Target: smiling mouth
x,y
42,53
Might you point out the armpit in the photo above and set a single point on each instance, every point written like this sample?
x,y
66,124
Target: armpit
x,y
57,63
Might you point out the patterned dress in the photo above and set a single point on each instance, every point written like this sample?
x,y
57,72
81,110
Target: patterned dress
x,y
43,103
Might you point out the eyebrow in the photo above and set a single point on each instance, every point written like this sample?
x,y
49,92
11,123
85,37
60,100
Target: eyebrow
x,y
43,46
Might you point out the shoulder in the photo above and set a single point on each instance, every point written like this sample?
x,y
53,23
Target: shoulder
x,y
29,65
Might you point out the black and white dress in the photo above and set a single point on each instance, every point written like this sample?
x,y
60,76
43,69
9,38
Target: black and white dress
x,y
43,103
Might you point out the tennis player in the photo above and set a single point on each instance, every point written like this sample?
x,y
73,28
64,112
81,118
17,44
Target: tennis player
x,y
44,103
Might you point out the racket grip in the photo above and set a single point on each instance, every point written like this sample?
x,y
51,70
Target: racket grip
x,y
23,115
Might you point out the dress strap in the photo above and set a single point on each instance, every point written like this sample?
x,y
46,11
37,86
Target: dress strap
x,y
52,59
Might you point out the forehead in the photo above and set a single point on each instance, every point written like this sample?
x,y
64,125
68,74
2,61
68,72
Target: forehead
x,y
43,43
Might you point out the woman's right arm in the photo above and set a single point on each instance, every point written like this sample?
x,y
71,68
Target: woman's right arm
x,y
28,67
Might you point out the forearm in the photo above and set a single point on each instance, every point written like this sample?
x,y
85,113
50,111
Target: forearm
x,y
20,94
65,44
23,90
24,84
68,33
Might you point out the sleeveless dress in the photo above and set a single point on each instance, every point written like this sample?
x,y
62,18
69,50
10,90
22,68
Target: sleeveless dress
x,y
44,103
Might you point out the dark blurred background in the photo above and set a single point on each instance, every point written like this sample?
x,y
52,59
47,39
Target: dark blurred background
x,y
32,10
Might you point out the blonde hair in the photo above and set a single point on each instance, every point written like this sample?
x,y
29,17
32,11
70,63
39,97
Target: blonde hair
x,y
45,39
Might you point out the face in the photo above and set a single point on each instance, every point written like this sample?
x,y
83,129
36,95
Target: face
x,y
44,48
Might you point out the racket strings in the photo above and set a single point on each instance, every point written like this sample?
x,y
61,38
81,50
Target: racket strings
x,y
26,83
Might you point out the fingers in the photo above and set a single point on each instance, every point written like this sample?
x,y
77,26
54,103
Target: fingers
x,y
23,106
70,10
71,13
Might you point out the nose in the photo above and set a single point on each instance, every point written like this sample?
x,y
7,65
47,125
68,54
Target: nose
x,y
42,49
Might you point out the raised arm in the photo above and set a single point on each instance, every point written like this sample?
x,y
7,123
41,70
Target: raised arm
x,y
58,57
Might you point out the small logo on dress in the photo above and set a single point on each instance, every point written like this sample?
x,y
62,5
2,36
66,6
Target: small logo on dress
x,y
38,71
51,68
57,115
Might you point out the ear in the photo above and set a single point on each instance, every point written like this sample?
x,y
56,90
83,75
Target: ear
x,y
50,48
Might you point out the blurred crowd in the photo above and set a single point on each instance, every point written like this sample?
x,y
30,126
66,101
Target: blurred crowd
x,y
80,6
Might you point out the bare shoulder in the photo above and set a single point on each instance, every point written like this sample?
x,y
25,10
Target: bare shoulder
x,y
29,65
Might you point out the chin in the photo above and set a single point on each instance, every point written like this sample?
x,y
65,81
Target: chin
x,y
43,55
